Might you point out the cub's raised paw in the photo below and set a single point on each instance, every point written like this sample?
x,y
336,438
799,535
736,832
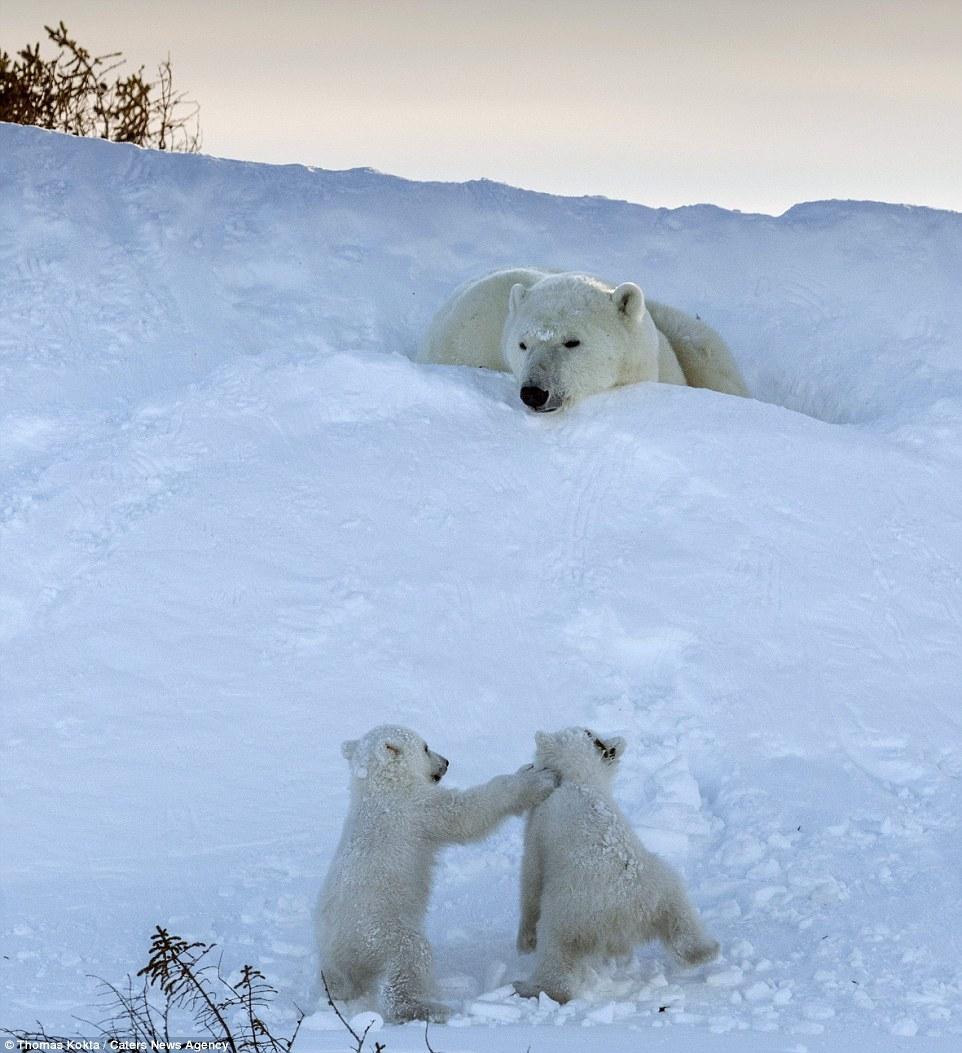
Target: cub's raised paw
x,y
540,783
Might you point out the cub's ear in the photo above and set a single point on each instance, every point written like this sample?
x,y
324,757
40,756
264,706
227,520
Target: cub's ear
x,y
394,750
516,296
541,738
348,748
616,747
629,300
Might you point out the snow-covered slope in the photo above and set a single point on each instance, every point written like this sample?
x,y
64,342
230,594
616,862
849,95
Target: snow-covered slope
x,y
239,524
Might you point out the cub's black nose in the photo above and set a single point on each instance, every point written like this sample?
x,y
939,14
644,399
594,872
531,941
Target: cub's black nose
x,y
534,397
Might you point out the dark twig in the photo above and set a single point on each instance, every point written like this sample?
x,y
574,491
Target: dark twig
x,y
359,1039
427,1041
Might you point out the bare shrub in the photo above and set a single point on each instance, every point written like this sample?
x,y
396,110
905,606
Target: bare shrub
x,y
74,92
182,987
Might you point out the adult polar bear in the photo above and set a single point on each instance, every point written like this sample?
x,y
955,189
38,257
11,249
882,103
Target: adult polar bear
x,y
567,335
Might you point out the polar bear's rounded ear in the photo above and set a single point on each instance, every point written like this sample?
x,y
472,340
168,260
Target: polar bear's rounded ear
x,y
618,745
541,738
516,296
348,748
629,300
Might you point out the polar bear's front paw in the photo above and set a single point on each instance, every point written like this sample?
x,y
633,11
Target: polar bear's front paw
x,y
526,989
527,939
697,952
434,1012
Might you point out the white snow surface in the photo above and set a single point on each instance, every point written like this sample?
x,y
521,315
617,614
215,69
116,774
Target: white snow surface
x,y
239,525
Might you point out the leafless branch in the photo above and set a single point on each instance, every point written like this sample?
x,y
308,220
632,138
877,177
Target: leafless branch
x,y
84,94
359,1039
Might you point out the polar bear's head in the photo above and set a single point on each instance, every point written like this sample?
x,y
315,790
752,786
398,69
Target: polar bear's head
x,y
579,755
392,754
570,335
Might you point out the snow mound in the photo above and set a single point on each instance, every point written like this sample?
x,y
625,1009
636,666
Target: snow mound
x,y
238,525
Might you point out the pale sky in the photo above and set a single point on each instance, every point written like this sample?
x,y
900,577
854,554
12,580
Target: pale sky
x,y
749,104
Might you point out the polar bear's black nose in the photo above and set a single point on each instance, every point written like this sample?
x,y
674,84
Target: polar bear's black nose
x,y
534,397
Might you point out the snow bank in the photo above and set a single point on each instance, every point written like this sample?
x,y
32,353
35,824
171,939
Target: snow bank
x,y
239,524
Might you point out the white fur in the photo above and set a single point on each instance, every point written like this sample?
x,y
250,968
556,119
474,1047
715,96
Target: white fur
x,y
371,910
588,885
622,338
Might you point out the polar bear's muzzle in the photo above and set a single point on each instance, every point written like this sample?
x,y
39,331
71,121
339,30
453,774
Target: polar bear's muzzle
x,y
440,767
539,400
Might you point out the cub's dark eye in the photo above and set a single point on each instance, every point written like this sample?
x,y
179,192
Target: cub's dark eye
x,y
426,747
572,343
523,346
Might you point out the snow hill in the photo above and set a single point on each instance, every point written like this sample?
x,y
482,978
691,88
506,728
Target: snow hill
x,y
238,525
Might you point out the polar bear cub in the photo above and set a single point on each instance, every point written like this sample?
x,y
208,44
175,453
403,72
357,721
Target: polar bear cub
x,y
371,910
588,885
567,335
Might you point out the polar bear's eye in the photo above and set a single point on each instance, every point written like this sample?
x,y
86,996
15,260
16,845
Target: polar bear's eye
x,y
523,346
426,750
572,343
